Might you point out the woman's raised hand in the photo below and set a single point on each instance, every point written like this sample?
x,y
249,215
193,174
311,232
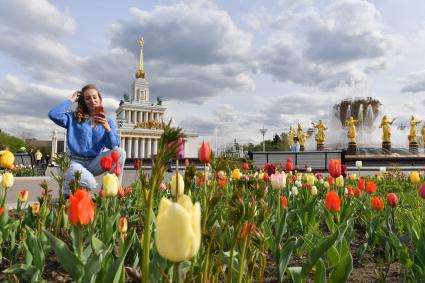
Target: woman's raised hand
x,y
75,96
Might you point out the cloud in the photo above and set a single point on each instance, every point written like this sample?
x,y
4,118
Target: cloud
x,y
31,31
326,48
193,51
414,82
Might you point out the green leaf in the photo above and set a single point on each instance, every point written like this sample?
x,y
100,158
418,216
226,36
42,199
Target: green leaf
x,y
68,260
317,252
94,265
320,276
29,273
332,255
295,274
36,249
97,244
115,271
342,270
285,255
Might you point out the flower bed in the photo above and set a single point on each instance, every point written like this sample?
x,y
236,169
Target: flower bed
x,y
229,222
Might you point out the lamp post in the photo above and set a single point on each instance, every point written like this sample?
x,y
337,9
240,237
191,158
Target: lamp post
x,y
263,132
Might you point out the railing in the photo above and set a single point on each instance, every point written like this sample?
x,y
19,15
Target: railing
x,y
317,160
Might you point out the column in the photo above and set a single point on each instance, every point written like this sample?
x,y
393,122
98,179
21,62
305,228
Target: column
x,y
155,146
142,148
136,148
148,148
139,116
122,145
128,147
145,113
65,145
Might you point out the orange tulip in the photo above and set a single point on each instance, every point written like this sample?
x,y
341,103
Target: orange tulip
x,y
204,153
377,203
1,210
284,201
335,168
122,225
81,208
332,201
371,187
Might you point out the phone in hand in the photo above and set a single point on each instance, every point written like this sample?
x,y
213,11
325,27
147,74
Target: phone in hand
x,y
99,109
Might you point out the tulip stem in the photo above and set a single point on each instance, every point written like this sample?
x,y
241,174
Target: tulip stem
x,y
176,273
177,180
242,260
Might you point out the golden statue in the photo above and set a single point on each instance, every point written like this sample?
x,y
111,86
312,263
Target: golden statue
x,y
302,137
321,128
140,72
351,133
291,135
386,128
413,131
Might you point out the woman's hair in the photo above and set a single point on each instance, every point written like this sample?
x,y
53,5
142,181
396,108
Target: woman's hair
x,y
82,112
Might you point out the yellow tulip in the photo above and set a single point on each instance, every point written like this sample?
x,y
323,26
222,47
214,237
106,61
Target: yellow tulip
x,y
23,196
178,232
7,180
415,178
339,181
261,176
173,185
310,180
313,190
7,159
236,174
326,185
353,177
110,185
35,208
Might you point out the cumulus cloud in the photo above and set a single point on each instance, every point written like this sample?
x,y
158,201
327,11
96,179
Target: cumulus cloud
x,y
31,31
193,50
414,82
326,48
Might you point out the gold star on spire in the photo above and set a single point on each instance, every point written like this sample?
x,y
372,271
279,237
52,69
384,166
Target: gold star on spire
x,y
140,72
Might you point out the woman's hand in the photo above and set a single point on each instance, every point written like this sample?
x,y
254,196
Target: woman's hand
x,y
100,118
75,96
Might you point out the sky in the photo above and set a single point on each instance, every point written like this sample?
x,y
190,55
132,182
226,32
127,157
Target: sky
x,y
224,69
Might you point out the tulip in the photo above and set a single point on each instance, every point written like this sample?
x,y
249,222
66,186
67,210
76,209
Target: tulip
x,y
7,159
298,184
35,208
308,169
335,168
310,180
236,174
359,164
278,180
415,178
266,177
357,192
284,201
81,208
7,180
245,229
245,166
110,185
344,170
122,225
178,232
117,170
392,199
350,192
294,191
422,191
326,184
371,187
179,144
383,169
261,176
313,190
186,162
106,163
121,192
23,196
180,189
137,164
340,181
331,180
204,153
361,184
353,177
115,155
288,165
377,203
332,201
2,209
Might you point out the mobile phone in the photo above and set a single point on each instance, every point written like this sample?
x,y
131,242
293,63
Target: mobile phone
x,y
99,109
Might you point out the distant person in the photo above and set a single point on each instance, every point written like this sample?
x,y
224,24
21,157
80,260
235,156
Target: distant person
x,y
296,146
38,155
90,135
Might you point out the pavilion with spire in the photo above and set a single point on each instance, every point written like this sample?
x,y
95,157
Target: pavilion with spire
x,y
139,120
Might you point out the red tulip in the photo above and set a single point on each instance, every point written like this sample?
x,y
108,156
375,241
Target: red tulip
x,y
117,170
288,166
245,166
137,164
361,184
284,201
332,201
422,191
106,163
331,180
377,203
1,210
335,168
371,187
204,153
81,208
392,199
357,192
115,155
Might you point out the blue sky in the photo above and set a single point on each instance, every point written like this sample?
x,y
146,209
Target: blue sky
x,y
224,67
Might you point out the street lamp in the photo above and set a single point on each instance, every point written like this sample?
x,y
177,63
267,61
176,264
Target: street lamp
x,y
263,132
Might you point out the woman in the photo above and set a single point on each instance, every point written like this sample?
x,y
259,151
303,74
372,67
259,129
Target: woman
x,y
89,133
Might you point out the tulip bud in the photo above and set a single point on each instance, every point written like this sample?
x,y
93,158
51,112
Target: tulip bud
x,y
308,169
178,232
106,163
117,170
294,191
261,176
204,153
2,209
110,185
298,184
236,174
23,196
422,191
35,208
326,184
278,180
115,155
353,177
310,180
415,178
137,164
7,159
313,190
7,180
122,225
359,164
245,166
340,181
173,185
392,199
383,169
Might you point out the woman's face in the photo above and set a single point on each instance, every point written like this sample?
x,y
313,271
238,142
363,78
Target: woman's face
x,y
91,98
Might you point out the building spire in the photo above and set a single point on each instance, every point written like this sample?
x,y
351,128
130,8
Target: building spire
x,y
140,72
